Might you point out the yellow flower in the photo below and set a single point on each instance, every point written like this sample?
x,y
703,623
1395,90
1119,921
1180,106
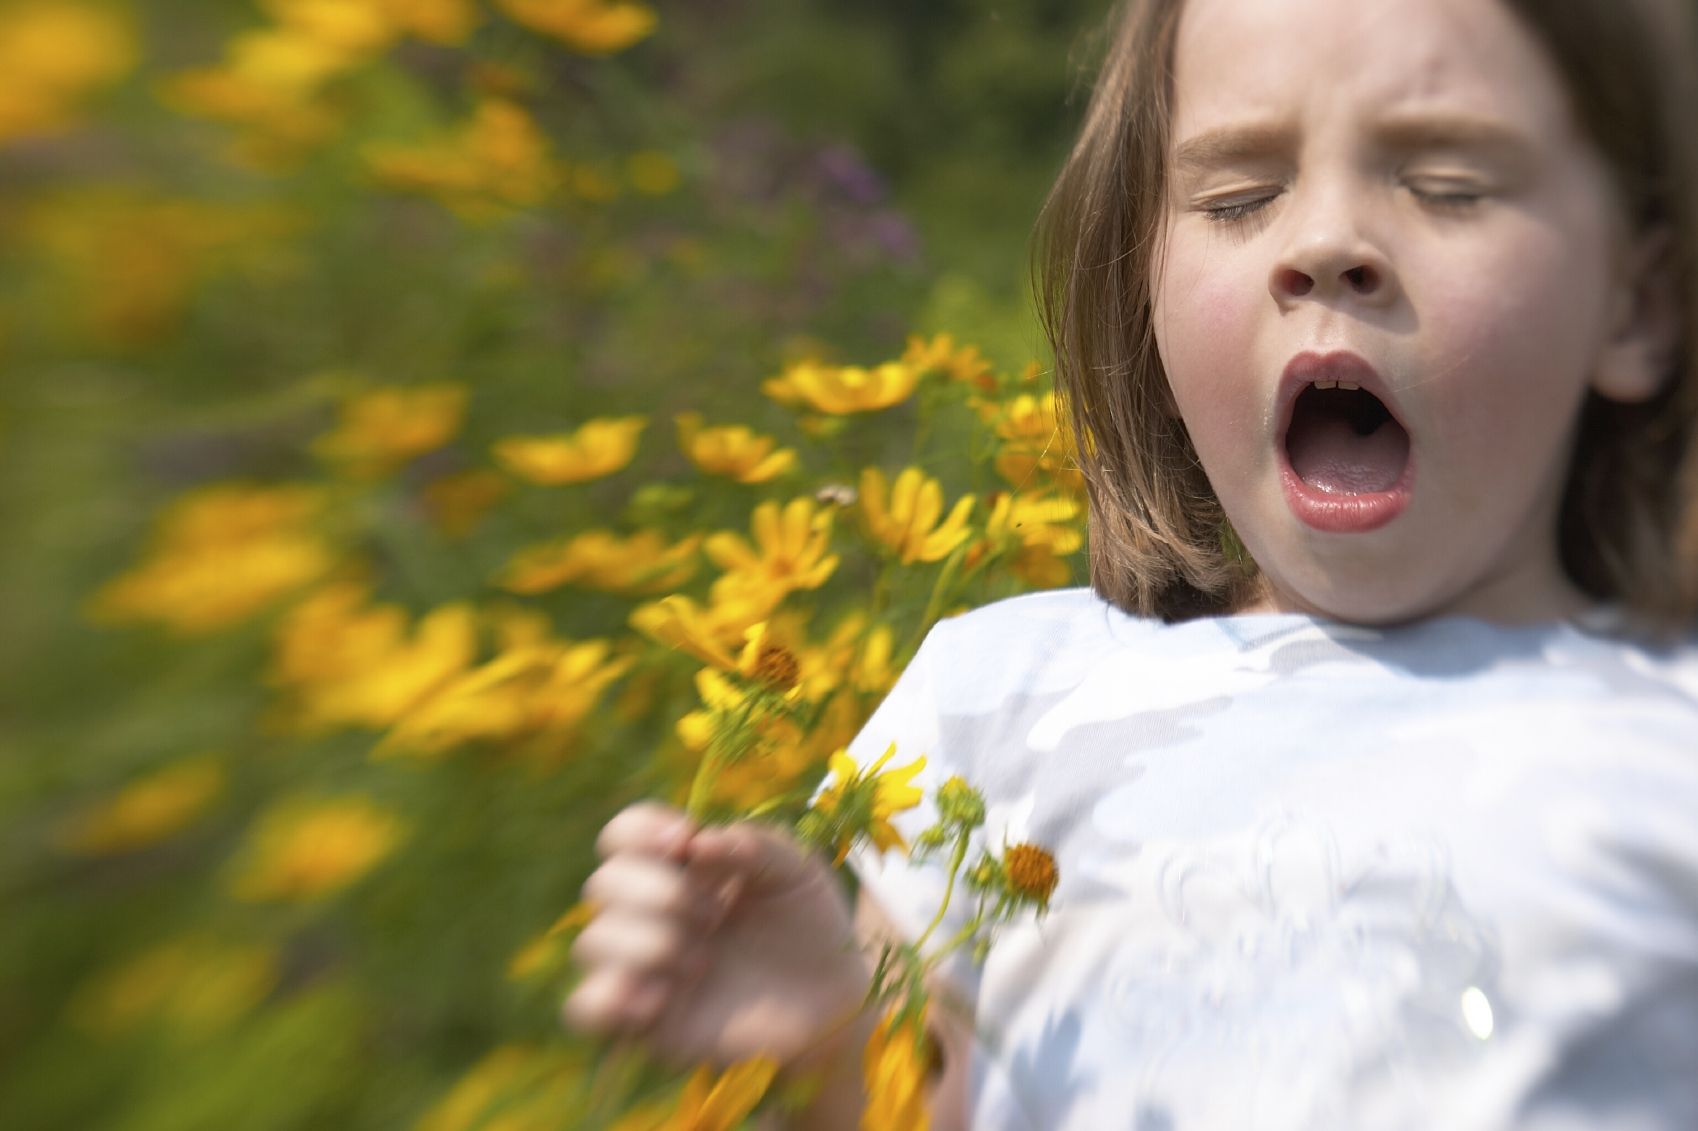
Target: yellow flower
x,y
774,756
709,1102
357,27
303,849
496,162
346,663
499,1073
709,634
592,27
836,725
600,559
732,450
438,21
772,752
1031,872
195,981
775,656
449,168
1036,439
529,688
449,22
1039,530
904,517
854,655
514,1087
839,390
895,1068
457,502
383,428
600,447
52,56
871,672
218,555
860,804
965,364
551,946
789,552
127,262
268,84
147,810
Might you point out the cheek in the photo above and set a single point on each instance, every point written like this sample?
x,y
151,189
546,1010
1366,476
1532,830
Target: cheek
x,y
1205,322
1518,332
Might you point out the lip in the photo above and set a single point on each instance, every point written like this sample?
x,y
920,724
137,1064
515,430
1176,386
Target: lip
x,y
1322,510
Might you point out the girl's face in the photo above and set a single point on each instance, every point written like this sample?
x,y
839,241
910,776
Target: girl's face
x,y
1388,194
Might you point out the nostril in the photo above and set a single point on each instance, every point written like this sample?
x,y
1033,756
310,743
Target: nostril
x,y
1295,283
1361,278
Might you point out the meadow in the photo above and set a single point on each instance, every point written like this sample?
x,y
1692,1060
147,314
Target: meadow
x,y
428,426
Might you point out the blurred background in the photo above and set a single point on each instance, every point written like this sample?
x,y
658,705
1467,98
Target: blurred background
x,y
306,304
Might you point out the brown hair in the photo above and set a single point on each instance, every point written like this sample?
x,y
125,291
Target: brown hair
x,y
1160,544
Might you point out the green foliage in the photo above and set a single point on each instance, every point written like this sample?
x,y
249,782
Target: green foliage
x,y
175,316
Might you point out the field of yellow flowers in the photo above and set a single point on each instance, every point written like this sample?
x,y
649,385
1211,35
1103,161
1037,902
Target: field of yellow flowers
x,y
429,426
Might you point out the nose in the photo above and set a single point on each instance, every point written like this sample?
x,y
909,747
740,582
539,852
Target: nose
x,y
1330,257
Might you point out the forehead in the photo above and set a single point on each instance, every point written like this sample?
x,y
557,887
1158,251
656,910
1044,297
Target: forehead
x,y
1238,59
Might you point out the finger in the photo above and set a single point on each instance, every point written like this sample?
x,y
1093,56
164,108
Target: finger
x,y
633,942
749,856
647,828
614,1001
652,887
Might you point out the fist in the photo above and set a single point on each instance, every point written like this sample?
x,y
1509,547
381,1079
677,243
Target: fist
x,y
714,944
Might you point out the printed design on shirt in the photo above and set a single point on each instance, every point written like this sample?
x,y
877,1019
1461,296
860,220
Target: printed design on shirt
x,y
1325,978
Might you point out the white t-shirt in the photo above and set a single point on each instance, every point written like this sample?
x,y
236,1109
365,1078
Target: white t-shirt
x,y
1316,875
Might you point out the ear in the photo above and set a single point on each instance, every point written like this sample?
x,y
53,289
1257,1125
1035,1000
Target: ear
x,y
1645,325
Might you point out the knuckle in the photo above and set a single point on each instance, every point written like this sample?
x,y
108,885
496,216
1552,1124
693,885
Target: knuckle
x,y
636,827
585,948
586,1009
629,943
640,886
602,888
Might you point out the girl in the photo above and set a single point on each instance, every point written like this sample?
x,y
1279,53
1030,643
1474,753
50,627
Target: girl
x,y
1376,318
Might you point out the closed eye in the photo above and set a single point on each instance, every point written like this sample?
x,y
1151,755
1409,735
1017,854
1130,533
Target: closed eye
x,y
1237,210
1455,198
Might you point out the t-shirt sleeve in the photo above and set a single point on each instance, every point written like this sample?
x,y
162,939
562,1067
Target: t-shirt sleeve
x,y
907,891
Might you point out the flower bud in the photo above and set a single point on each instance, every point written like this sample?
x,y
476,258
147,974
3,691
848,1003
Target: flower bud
x,y
959,803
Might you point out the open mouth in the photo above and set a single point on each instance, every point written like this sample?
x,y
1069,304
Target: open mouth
x,y
1342,440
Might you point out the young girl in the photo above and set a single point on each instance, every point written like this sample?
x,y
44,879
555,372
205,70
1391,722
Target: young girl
x,y
1373,805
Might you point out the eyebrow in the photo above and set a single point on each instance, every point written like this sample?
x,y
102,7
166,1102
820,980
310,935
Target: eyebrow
x,y
1259,140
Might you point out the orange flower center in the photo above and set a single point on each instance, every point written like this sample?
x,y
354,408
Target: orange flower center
x,y
1031,871
777,667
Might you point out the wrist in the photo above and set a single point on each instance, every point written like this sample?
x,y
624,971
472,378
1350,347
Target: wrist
x,y
828,1079
846,1019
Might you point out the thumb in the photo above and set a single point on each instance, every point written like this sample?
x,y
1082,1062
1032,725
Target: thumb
x,y
755,857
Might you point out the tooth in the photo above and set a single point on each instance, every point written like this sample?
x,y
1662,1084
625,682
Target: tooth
x,y
1326,384
1348,385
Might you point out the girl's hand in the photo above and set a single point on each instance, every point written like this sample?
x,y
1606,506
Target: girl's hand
x,y
716,944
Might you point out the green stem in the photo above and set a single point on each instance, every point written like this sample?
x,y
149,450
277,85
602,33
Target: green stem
x,y
772,804
934,603
954,943
713,759
956,859
881,588
701,787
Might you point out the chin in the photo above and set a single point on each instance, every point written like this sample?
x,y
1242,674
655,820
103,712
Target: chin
x,y
1368,602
